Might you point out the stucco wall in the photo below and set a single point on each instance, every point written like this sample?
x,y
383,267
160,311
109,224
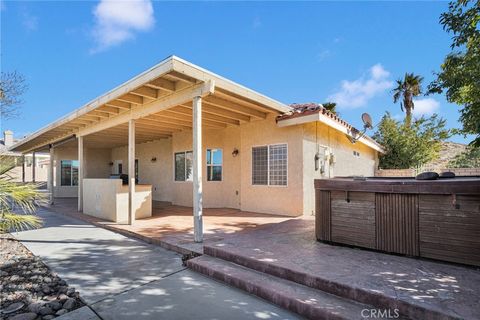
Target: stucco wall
x,y
236,189
160,174
285,200
157,173
345,162
96,166
108,199
216,194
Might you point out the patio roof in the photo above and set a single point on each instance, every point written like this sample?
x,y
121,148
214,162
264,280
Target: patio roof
x,y
160,100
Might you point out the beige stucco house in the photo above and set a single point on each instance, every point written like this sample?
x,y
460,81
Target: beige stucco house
x,y
197,139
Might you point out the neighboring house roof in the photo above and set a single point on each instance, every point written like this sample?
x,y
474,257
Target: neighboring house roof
x,y
309,112
4,150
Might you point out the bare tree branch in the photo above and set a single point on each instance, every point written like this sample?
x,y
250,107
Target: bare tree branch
x,y
12,87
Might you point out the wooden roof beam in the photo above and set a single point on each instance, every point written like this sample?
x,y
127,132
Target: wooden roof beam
x,y
219,112
119,104
225,104
154,125
131,98
90,117
146,92
166,124
109,109
181,77
183,113
187,121
226,95
100,114
162,84
164,103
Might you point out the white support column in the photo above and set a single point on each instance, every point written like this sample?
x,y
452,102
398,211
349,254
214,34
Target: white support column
x,y
197,169
131,170
81,170
33,166
23,168
51,177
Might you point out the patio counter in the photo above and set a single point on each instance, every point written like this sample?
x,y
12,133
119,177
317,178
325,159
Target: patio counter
x,y
108,199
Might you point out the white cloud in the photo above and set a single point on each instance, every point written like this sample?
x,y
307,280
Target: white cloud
x,y
29,21
324,54
425,107
117,21
357,93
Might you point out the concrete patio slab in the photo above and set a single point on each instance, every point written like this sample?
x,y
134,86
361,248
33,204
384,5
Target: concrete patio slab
x,y
123,278
83,313
420,287
171,227
95,261
187,295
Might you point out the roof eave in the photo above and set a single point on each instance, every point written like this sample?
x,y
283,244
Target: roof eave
x,y
318,116
170,64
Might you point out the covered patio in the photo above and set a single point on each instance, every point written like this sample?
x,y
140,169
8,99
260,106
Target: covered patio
x,y
171,226
175,110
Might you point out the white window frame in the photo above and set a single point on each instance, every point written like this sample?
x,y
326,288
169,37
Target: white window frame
x,y
213,165
268,165
174,163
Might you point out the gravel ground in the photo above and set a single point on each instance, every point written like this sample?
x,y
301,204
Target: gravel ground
x,y
29,290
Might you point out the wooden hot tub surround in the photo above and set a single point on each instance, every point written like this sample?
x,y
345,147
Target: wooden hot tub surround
x,y
438,219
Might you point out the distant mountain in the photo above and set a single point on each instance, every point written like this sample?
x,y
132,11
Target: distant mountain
x,y
448,152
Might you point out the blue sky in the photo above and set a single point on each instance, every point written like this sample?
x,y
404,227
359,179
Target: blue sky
x,y
350,52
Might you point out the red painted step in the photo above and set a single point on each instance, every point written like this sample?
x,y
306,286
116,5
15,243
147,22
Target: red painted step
x,y
305,301
351,292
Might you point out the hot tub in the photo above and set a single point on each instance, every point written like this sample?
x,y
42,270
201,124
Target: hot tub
x,y
438,219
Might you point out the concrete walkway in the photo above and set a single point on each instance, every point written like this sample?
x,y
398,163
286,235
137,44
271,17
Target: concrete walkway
x,y
122,278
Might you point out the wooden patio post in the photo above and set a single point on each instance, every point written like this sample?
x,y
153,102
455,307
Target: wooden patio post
x,y
197,169
51,177
131,170
80,173
33,166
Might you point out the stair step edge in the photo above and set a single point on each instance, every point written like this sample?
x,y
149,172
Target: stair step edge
x,y
335,288
303,300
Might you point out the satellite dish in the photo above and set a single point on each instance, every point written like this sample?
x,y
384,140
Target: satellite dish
x,y
355,135
367,120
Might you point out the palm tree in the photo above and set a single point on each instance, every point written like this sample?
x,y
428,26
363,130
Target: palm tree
x,y
407,88
18,203
330,106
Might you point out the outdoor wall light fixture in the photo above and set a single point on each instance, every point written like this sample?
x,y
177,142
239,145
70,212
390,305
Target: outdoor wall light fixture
x,y
154,159
235,152
110,163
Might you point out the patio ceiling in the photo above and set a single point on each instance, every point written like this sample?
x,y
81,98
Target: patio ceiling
x,y
160,100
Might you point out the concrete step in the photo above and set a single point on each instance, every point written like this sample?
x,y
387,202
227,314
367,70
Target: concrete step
x,y
377,299
305,301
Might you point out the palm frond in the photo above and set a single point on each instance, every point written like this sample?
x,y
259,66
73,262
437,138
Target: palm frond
x,y
18,222
24,196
